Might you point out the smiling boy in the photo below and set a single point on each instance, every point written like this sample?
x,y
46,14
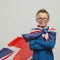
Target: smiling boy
x,y
42,38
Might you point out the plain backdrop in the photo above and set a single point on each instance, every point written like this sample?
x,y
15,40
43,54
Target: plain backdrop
x,y
18,17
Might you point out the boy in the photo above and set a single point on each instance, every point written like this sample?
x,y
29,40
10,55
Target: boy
x,y
42,38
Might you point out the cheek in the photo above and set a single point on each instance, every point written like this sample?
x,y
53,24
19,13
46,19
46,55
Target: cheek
x,y
37,21
45,22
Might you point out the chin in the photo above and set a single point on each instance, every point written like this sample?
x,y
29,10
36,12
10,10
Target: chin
x,y
43,26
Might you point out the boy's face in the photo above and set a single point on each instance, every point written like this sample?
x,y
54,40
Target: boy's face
x,y
42,19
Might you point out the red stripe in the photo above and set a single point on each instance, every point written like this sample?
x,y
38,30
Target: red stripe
x,y
36,31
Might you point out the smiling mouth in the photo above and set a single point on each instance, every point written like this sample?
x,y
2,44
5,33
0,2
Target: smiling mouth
x,y
42,22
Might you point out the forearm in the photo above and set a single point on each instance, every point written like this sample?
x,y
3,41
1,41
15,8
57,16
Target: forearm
x,y
35,46
50,44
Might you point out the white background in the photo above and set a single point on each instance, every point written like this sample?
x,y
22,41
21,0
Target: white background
x,y
18,17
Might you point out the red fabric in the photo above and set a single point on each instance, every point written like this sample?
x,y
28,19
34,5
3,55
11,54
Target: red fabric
x,y
25,51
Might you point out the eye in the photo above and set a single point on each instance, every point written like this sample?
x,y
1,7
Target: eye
x,y
42,19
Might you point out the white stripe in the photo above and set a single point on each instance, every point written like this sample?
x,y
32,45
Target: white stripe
x,y
30,58
35,30
16,50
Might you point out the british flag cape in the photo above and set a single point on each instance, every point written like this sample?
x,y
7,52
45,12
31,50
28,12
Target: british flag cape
x,y
36,32
23,48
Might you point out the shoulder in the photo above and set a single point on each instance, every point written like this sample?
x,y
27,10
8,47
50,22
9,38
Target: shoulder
x,y
52,29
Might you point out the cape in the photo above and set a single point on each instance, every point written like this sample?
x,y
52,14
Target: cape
x,y
36,32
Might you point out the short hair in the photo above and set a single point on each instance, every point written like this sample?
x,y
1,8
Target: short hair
x,y
43,11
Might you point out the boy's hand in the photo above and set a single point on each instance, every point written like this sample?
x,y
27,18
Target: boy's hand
x,y
45,36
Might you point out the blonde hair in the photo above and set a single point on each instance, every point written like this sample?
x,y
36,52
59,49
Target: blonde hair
x,y
43,11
